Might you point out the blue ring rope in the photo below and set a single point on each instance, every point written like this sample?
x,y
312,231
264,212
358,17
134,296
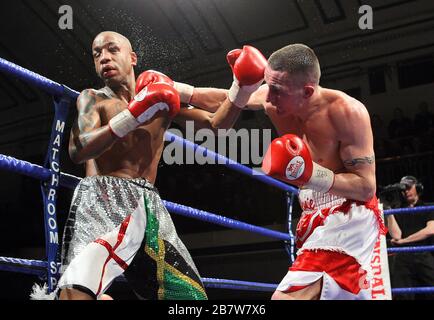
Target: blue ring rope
x,y
36,79
26,266
412,249
416,290
409,210
223,221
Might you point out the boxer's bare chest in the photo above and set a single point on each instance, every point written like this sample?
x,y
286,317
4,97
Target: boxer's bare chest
x,y
109,107
137,151
318,133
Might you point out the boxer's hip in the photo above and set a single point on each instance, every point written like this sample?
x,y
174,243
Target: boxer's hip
x,y
336,239
99,205
345,226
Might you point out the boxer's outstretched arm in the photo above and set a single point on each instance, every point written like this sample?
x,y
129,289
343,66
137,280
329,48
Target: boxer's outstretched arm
x,y
88,139
209,99
356,152
225,114
224,118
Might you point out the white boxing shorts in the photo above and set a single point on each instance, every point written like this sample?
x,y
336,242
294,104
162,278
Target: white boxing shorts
x,y
336,239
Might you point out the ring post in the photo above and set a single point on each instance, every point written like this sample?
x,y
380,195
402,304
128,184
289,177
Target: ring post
x,y
49,189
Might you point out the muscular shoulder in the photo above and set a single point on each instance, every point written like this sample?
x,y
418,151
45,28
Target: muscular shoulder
x,y
347,113
86,99
90,98
87,93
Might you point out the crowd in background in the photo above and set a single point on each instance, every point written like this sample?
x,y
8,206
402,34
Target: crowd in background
x,y
404,135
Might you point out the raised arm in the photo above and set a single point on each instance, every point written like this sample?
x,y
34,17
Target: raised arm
x,y
224,107
208,99
224,118
88,139
225,115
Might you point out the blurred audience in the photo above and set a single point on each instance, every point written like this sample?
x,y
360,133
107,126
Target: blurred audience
x,y
423,120
400,126
403,135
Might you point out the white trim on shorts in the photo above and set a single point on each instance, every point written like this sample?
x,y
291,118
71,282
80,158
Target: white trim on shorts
x,y
90,269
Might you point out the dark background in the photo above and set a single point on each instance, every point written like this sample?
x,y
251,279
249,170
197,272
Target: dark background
x,y
390,69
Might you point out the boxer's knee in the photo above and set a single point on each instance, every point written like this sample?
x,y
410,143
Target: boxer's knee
x,y
310,292
74,294
279,295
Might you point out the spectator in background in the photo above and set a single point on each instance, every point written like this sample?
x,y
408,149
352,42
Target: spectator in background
x,y
400,126
414,229
381,148
378,127
407,147
418,145
379,132
423,120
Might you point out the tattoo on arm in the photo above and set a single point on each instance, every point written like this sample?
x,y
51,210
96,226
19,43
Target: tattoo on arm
x,y
356,161
89,139
85,116
86,121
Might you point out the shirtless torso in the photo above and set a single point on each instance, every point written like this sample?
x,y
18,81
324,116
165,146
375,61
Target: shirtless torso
x,y
337,131
127,147
319,135
135,155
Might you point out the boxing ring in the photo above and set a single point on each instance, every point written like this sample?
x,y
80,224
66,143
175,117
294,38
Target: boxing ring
x,y
51,178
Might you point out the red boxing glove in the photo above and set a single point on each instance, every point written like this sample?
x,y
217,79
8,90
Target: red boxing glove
x,y
151,99
288,159
151,76
248,65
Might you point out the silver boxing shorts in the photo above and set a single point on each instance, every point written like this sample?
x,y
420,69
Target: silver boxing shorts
x,y
120,226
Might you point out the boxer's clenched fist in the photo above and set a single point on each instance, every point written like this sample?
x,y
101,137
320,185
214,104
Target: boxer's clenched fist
x,y
248,65
289,159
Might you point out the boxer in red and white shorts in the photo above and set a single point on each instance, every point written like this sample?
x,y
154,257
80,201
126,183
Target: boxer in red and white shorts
x,y
336,239
326,146
335,236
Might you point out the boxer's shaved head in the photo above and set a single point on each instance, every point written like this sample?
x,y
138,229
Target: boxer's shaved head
x,y
114,36
297,60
